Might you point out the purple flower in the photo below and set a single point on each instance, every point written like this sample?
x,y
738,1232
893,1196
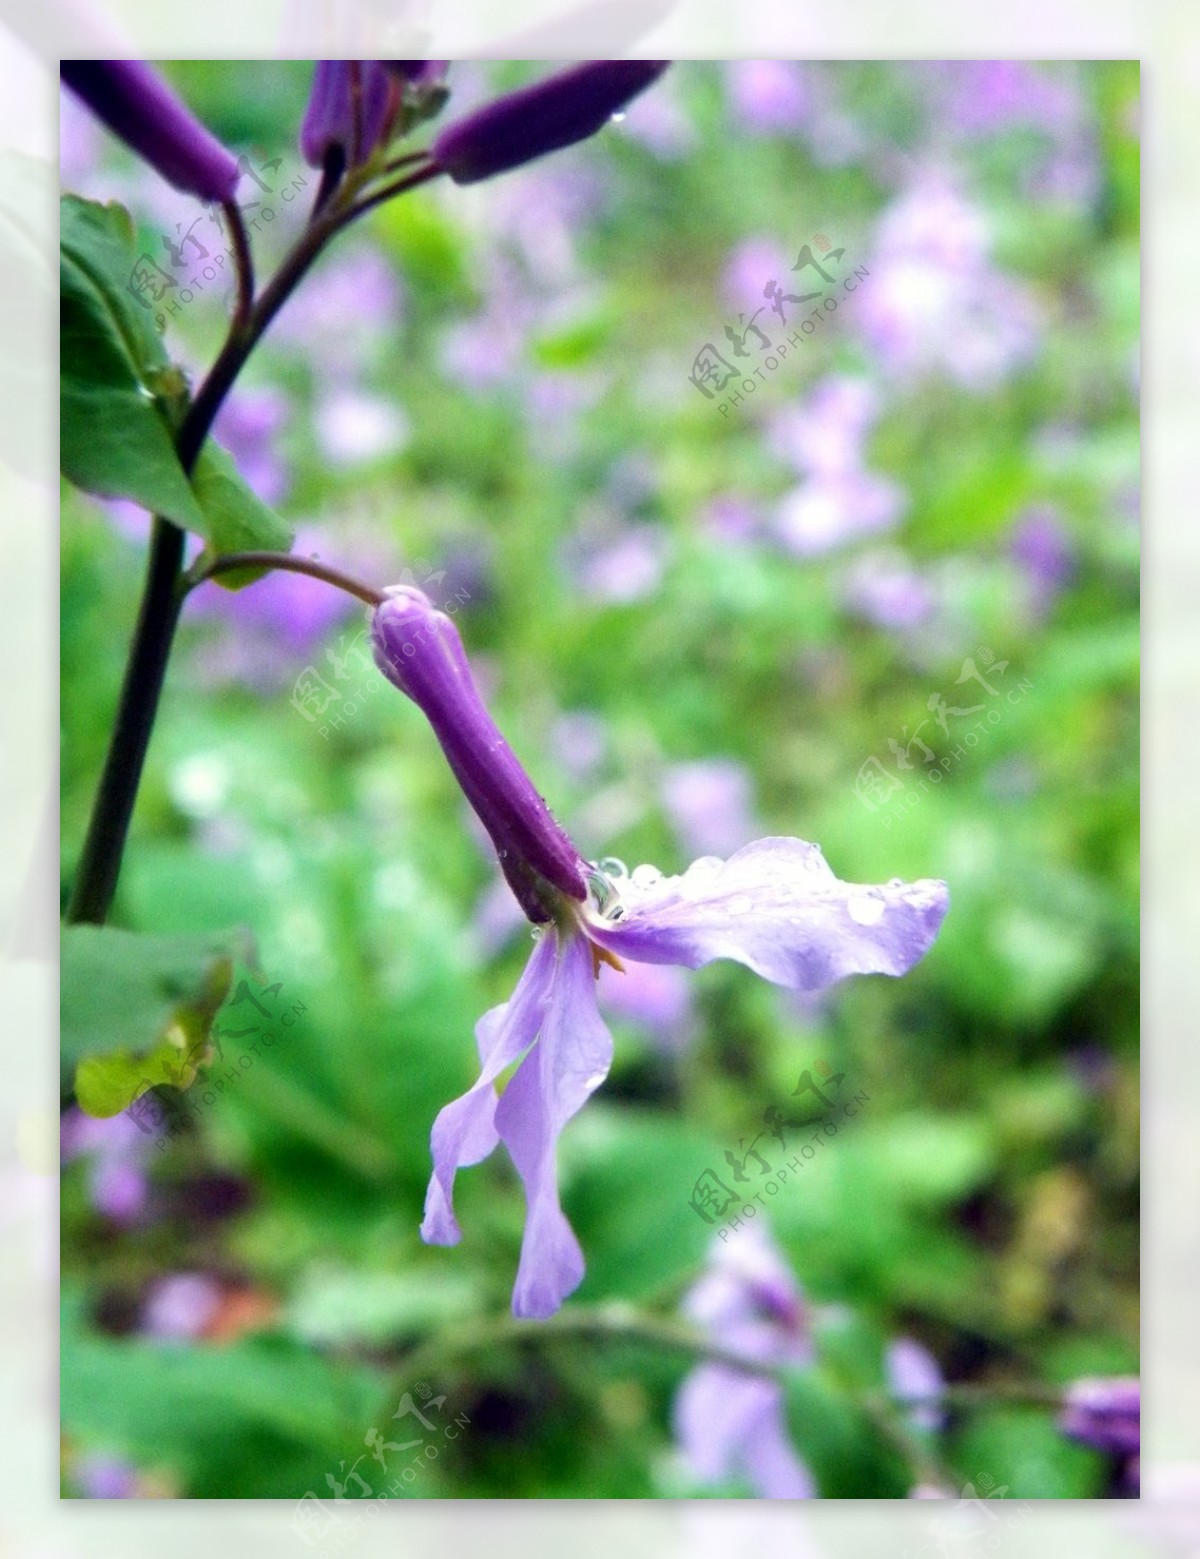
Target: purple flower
x,y
886,589
710,804
117,1149
827,434
136,104
180,1306
730,1423
774,906
541,118
1041,547
768,95
915,1377
350,111
1105,1412
106,1477
936,305
830,510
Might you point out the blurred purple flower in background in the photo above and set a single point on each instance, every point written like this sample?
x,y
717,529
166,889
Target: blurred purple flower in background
x,y
656,998
710,805
346,314
117,1151
659,121
1105,1412
828,432
915,1379
824,439
885,588
1041,547
102,1476
248,428
829,511
768,96
355,427
181,1306
751,265
936,305
616,563
730,1424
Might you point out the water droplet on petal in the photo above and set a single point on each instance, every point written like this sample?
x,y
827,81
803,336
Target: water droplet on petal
x,y
613,866
739,905
645,876
866,906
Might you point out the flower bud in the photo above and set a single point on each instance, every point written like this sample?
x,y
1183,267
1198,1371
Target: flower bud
x,y
1105,1413
136,104
349,110
419,651
541,118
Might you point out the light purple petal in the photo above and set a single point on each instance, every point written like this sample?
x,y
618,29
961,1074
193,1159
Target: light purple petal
x,y
915,1376
776,907
770,1460
565,1067
716,1412
465,1131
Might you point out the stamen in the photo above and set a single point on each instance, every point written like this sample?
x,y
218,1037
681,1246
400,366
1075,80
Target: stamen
x,y
601,955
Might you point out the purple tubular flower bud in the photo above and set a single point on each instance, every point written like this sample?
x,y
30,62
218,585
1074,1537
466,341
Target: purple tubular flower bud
x,y
419,651
349,109
136,104
541,118
1105,1413
419,73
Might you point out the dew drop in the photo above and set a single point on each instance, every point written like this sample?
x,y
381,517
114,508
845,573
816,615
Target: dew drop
x,y
645,876
867,907
618,117
739,905
613,866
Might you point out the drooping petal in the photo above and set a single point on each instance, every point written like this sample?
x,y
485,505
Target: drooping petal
x,y
564,1068
776,907
465,1131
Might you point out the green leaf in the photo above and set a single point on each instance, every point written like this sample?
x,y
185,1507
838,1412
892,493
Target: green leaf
x,y
119,392
132,1005
235,520
106,1085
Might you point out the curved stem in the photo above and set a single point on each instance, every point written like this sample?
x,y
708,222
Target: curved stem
x,y
229,562
164,589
